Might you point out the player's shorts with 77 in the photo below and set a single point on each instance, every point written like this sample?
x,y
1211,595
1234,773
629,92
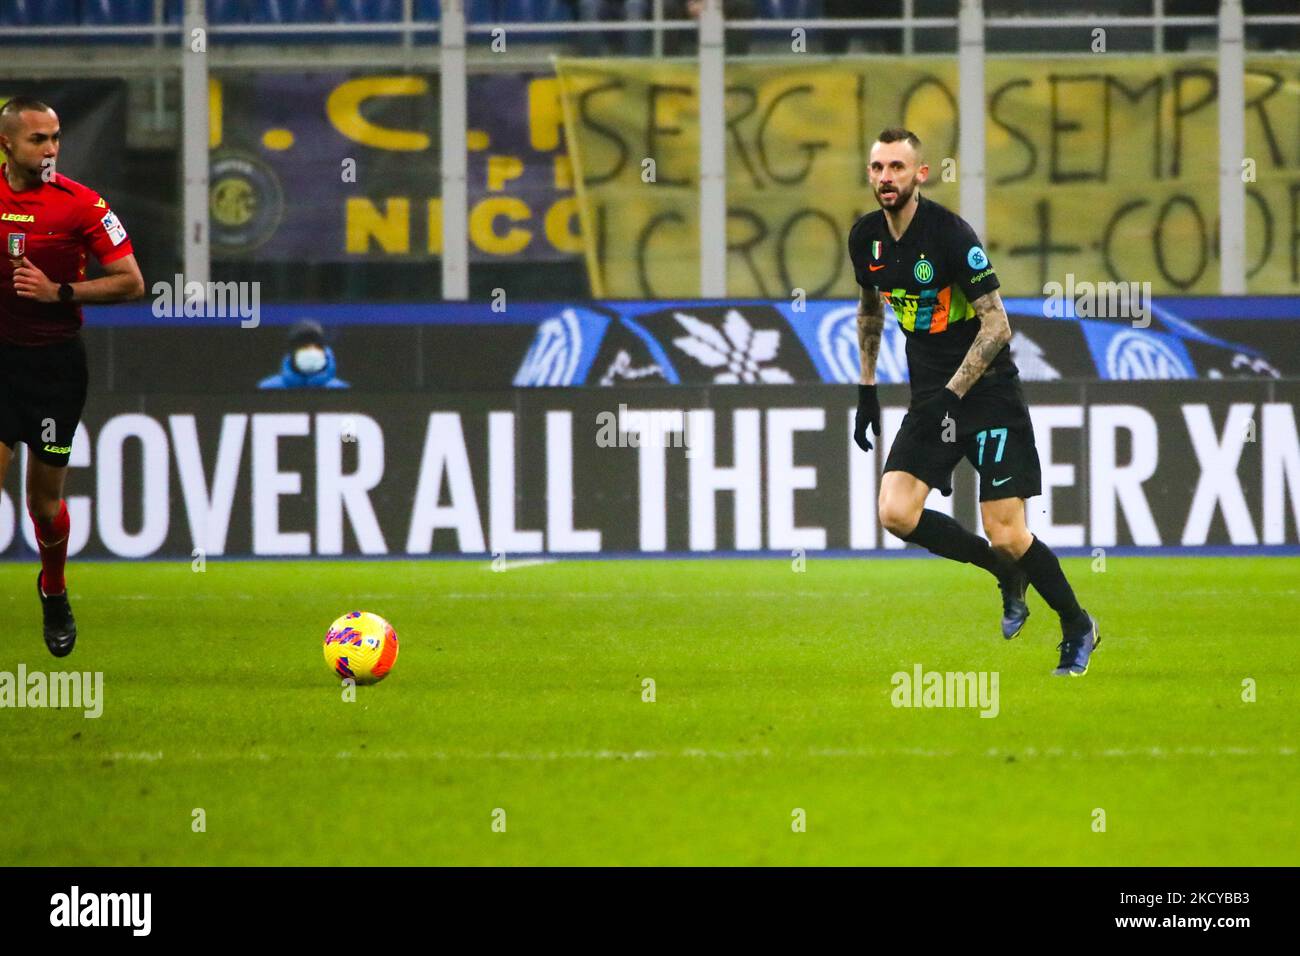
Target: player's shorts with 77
x,y
994,433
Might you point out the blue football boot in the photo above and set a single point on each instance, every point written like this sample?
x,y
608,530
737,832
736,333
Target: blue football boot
x,y
1077,648
1014,609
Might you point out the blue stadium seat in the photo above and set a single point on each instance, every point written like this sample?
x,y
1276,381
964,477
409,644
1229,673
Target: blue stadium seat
x,y
371,11
116,13
107,13
292,11
219,11
517,11
791,9
38,13
552,11
476,11
229,11
535,11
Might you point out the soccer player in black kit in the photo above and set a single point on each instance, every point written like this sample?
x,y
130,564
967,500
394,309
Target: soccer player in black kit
x,y
928,264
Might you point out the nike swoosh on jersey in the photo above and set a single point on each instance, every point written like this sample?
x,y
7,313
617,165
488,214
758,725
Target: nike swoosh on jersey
x,y
1001,481
876,268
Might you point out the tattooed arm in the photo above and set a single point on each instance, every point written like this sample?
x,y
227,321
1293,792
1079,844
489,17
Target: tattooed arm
x,y
994,333
871,322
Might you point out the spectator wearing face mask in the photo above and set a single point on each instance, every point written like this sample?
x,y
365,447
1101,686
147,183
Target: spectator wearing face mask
x,y
309,362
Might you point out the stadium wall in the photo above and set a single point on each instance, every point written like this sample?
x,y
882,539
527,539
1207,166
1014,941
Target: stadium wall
x,y
153,348
644,470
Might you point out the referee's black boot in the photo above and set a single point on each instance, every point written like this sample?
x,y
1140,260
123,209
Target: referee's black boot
x,y
60,625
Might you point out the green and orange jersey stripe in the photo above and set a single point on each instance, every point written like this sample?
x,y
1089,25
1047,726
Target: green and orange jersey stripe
x,y
949,306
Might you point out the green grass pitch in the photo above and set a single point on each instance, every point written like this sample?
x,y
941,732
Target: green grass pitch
x,y
523,691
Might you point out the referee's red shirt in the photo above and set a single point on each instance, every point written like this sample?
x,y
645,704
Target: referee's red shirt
x,y
55,224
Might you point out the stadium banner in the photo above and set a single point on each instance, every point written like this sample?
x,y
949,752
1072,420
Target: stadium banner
x,y
344,167
1104,169
609,343
643,471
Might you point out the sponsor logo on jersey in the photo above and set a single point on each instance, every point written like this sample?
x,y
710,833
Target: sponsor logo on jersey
x,y
57,449
116,231
17,217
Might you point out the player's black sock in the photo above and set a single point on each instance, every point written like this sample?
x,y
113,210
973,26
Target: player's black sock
x,y
1044,572
941,535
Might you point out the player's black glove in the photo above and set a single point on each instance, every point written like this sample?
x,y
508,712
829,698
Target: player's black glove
x,y
868,414
931,412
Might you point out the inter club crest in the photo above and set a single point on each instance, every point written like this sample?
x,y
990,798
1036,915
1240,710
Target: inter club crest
x,y
17,245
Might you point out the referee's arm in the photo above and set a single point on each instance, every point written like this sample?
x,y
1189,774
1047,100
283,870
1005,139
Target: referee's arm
x,y
871,322
994,334
121,283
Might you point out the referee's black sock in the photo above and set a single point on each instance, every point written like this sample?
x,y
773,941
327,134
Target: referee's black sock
x,y
941,535
1044,572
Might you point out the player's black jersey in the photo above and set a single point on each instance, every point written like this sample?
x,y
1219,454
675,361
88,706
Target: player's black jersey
x,y
929,277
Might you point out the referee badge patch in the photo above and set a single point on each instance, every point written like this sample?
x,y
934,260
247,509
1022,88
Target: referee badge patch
x,y
17,245
114,228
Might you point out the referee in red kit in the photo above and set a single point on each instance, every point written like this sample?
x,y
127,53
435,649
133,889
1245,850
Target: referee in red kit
x,y
49,223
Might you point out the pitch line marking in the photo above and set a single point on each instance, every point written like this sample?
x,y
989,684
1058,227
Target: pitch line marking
x,y
516,565
687,753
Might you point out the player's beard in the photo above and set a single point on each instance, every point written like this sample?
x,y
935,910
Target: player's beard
x,y
901,197
28,173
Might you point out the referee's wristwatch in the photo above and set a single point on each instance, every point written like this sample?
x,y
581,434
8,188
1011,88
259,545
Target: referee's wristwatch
x,y
65,292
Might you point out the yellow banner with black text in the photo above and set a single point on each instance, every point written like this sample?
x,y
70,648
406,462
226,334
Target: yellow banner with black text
x,y
1102,168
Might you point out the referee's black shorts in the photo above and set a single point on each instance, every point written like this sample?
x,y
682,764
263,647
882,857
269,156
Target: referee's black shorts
x,y
42,394
994,433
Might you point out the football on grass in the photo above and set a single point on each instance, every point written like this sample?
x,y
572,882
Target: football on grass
x,y
362,646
